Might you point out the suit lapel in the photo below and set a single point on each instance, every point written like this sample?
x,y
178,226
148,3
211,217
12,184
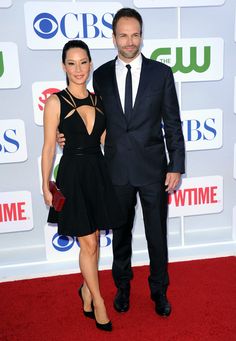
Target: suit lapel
x,y
143,84
143,81
115,85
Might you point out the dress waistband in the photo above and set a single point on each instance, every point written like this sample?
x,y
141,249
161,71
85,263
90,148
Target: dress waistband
x,y
80,151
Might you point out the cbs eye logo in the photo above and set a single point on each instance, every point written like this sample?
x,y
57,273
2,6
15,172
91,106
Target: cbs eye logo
x,y
65,243
45,25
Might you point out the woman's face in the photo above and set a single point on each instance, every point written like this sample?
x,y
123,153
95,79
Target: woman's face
x,y
77,66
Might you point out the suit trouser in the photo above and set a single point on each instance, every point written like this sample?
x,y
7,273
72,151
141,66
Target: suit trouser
x,y
154,207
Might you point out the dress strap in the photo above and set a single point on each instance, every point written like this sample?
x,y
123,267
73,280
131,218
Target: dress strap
x,y
93,100
94,103
71,98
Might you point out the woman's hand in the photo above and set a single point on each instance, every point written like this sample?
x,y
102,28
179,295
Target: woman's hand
x,y
47,195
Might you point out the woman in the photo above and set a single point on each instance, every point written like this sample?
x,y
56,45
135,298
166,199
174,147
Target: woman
x,y
82,176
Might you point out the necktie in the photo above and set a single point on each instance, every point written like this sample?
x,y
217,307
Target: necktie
x,y
128,93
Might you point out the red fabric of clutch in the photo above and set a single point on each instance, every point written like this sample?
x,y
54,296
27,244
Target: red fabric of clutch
x,y
58,198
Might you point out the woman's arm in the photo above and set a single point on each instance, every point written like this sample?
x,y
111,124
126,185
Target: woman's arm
x,y
50,122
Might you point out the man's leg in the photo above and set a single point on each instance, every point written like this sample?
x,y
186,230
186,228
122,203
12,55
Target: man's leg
x,y
154,205
122,247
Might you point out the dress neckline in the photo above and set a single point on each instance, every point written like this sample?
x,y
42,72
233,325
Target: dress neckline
x,y
88,94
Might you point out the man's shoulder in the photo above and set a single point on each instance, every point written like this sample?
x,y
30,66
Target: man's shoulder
x,y
104,67
156,64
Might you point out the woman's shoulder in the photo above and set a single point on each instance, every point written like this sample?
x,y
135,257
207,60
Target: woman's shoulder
x,y
60,93
52,100
52,106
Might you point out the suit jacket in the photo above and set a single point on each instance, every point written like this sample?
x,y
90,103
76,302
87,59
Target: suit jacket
x,y
135,150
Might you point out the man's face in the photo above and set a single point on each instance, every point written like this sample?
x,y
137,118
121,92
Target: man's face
x,y
127,38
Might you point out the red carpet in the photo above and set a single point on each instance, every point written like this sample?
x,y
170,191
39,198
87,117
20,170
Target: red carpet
x,y
202,293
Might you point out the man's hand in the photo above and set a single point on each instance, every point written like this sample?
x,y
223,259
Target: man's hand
x,y
172,181
60,139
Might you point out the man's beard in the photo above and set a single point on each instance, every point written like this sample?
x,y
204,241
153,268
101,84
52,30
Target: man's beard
x,y
129,55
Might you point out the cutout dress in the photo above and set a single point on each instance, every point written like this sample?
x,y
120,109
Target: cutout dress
x,y
82,176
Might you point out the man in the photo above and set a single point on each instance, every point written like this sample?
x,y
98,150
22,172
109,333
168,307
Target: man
x,y
135,153
137,102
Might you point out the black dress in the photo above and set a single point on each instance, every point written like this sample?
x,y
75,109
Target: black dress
x,y
82,176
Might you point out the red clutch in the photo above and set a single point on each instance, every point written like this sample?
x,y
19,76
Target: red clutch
x,y
58,198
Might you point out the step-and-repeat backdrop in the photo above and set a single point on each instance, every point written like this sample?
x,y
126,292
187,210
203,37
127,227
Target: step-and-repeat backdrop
x,y
197,38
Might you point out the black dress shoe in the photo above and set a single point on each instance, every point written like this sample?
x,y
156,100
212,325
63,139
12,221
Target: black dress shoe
x,y
121,301
107,327
89,314
163,307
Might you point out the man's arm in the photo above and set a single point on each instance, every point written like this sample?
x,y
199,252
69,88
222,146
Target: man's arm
x,y
173,134
173,127
60,139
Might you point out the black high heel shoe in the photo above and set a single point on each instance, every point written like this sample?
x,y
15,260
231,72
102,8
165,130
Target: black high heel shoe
x,y
89,314
107,327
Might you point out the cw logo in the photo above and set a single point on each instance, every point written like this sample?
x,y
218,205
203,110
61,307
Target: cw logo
x,y
1,64
193,66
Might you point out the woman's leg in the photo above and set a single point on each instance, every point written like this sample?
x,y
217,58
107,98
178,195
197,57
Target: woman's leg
x,y
88,261
87,297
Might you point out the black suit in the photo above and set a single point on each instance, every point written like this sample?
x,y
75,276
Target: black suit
x,y
136,158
